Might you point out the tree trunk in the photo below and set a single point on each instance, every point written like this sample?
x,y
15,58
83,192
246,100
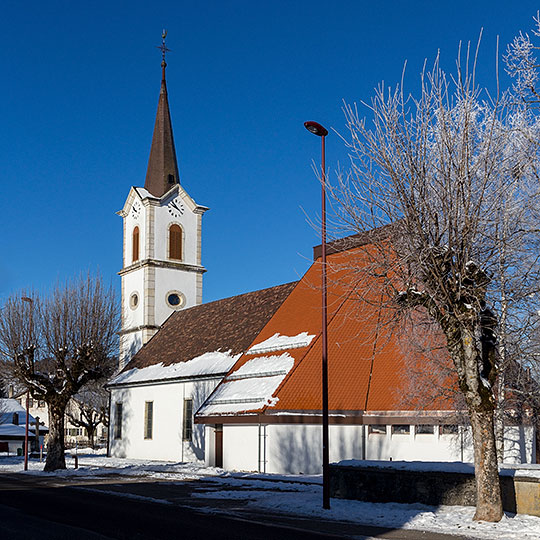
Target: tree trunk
x,y
55,446
499,419
91,436
488,491
480,401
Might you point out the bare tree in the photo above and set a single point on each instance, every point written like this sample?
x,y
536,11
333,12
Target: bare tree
x,y
90,408
522,65
55,345
455,174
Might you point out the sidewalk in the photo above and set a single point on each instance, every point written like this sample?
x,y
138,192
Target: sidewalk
x,y
187,494
294,500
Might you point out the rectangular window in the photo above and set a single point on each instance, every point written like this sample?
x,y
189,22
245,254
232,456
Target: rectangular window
x,y
118,421
377,430
424,429
30,402
449,429
188,420
41,404
401,429
148,419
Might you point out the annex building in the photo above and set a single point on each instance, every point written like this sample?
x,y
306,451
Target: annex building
x,y
237,382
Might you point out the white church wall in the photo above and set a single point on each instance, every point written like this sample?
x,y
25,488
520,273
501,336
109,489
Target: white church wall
x,y
132,316
133,284
519,444
170,280
167,441
297,448
293,448
240,447
416,446
209,445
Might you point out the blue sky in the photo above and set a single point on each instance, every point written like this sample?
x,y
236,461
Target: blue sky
x,y
78,98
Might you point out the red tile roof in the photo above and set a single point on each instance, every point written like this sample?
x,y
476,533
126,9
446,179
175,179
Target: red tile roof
x,y
365,360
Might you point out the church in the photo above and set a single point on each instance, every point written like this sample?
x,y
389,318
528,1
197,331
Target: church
x,y
236,383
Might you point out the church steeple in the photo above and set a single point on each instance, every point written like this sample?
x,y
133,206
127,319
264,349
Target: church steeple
x,y
162,172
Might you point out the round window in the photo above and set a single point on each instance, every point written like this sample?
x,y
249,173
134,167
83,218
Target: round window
x,y
175,299
134,300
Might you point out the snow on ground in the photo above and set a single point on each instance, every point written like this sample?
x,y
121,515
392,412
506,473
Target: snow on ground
x,y
299,495
527,470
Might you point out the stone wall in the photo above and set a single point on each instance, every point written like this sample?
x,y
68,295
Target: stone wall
x,y
438,487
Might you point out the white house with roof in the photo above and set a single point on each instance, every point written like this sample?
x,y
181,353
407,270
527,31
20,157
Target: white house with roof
x,y
13,427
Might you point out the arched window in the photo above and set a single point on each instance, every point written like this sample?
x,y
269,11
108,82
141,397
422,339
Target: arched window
x,y
135,249
175,242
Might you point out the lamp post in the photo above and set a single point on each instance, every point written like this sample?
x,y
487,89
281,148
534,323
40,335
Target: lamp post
x,y
31,302
322,132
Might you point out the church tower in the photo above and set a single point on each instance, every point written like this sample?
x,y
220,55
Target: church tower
x,y
162,270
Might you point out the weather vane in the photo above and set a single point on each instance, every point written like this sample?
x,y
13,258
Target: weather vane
x,y
163,47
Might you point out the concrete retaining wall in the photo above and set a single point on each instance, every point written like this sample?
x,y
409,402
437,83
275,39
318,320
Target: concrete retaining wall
x,y
384,484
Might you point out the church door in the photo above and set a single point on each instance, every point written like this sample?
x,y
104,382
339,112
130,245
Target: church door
x,y
219,445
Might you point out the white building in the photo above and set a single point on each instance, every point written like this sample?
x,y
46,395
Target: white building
x,y
237,382
153,401
13,427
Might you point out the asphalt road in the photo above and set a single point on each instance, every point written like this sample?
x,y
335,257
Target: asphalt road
x,y
49,508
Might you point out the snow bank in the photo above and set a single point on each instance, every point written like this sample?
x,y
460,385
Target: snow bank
x,y
527,470
433,466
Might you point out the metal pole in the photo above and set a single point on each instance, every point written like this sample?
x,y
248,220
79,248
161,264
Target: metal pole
x,y
26,432
326,459
30,352
320,131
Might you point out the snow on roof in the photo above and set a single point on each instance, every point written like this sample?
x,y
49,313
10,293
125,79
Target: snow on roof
x,y
9,405
249,387
144,193
278,343
12,430
210,363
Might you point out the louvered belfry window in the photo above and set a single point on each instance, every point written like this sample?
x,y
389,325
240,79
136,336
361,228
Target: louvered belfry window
x,y
175,242
135,244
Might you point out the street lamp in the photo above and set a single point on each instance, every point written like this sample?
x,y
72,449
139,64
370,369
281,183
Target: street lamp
x,y
31,302
322,132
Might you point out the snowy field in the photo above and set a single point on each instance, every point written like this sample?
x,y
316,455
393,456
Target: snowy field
x,y
294,495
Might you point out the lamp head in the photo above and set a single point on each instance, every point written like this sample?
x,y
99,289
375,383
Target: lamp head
x,y
316,129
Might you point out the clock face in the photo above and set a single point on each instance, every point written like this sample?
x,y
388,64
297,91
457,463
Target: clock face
x,y
136,210
176,208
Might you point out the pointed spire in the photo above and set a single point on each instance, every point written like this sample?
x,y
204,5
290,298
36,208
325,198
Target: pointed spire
x,y
162,172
